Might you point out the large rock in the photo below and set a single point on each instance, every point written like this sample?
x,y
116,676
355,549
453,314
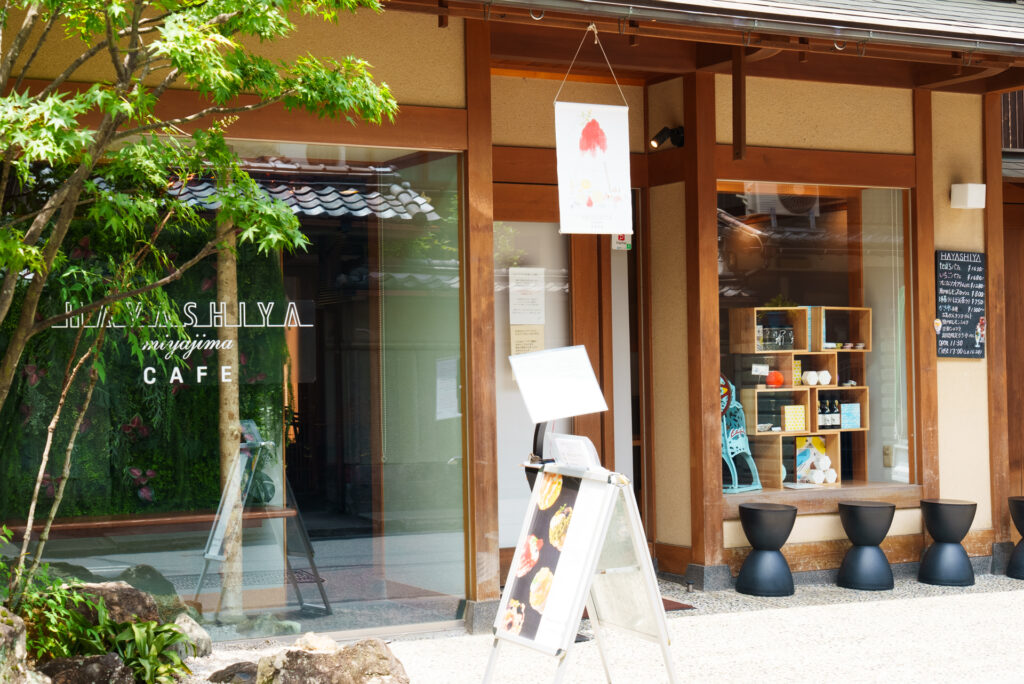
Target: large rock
x,y
369,661
108,669
124,602
148,579
200,638
236,673
12,647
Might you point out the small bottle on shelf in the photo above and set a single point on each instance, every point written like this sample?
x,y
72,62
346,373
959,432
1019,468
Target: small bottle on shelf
x,y
836,415
822,415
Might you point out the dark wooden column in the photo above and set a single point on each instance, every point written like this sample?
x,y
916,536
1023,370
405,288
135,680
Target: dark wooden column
x,y
923,292
702,318
995,319
481,466
590,288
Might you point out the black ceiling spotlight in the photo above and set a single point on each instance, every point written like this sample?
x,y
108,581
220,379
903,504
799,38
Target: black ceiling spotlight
x,y
666,134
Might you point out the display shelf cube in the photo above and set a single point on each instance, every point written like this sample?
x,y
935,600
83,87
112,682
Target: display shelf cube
x,y
749,329
833,327
765,406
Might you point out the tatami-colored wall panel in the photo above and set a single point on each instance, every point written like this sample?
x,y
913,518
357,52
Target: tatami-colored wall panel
x,y
523,111
670,375
421,63
963,383
665,105
821,116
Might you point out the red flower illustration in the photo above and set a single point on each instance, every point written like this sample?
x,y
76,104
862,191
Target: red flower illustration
x,y
593,138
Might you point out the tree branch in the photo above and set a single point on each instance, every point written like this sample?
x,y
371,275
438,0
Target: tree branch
x,y
42,39
72,68
209,111
12,53
115,55
15,582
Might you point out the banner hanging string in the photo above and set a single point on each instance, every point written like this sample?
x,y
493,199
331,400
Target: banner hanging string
x,y
597,40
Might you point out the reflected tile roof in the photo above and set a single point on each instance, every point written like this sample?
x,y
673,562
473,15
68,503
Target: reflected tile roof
x,y
316,199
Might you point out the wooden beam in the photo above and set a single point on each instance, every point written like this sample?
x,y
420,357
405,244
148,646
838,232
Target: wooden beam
x,y
826,167
480,465
522,202
538,165
713,57
935,77
1011,79
995,318
922,292
702,319
539,45
672,558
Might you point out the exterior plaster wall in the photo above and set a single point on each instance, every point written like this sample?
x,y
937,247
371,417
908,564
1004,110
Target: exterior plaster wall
x,y
962,383
421,63
821,116
665,105
670,374
523,112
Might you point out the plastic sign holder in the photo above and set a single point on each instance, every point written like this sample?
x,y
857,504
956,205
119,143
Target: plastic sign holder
x,y
582,544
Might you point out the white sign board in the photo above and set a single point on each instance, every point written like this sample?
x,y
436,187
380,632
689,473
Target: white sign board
x,y
592,148
581,544
557,383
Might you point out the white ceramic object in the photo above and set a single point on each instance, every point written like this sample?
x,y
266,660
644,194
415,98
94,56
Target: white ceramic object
x,y
824,378
810,377
823,463
831,475
816,476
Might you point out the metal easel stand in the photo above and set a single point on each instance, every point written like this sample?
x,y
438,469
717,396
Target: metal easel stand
x,y
307,546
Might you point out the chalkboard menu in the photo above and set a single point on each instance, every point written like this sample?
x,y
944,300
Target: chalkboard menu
x,y
960,304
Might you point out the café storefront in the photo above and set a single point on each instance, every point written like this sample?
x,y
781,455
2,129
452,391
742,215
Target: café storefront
x,y
788,219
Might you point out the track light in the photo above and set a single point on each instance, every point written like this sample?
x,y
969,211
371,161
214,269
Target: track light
x,y
666,134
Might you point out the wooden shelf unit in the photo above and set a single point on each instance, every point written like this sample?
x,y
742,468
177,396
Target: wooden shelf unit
x,y
770,449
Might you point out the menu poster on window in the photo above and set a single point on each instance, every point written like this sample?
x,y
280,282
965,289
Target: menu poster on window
x,y
525,296
960,304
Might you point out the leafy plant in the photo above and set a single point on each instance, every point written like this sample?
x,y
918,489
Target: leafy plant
x,y
148,648
54,614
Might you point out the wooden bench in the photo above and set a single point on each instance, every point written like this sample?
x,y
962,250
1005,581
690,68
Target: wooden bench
x,y
147,523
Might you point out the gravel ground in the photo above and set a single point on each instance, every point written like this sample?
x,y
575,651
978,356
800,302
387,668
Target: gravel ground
x,y
914,633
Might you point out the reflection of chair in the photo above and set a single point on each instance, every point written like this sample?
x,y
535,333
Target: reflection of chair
x,y
734,440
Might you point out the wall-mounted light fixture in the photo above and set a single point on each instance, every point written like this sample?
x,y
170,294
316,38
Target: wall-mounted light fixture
x,y
666,134
967,196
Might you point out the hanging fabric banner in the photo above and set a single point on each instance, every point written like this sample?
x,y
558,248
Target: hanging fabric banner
x,y
592,146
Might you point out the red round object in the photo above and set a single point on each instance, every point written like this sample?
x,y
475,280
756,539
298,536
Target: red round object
x,y
774,379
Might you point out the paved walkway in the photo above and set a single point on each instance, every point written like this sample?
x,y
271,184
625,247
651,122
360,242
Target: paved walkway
x,y
913,634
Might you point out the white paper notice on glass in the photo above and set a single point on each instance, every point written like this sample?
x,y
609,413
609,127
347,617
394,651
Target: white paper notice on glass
x,y
525,296
557,383
592,148
447,388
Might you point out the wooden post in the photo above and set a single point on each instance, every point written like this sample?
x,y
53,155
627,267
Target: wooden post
x,y
739,103
995,319
923,293
481,465
702,318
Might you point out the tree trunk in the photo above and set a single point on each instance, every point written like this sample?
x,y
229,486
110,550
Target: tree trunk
x,y
229,429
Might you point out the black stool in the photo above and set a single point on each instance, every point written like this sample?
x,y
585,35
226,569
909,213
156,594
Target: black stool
x,y
765,572
865,565
945,562
1016,567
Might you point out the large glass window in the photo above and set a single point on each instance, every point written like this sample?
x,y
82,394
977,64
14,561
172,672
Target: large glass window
x,y
813,312
335,501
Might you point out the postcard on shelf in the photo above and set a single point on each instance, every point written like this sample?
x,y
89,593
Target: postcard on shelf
x,y
849,416
808,451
